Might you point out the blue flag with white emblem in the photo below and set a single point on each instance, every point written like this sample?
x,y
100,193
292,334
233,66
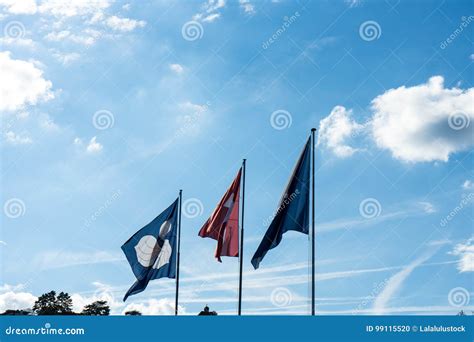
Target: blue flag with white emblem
x,y
151,252
293,210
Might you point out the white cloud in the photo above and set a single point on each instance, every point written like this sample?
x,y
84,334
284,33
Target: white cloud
x,y
336,129
46,123
21,84
66,58
414,122
247,6
16,139
423,123
16,300
72,8
468,185
211,17
213,5
84,39
11,298
155,307
427,207
210,11
124,24
94,146
22,42
465,251
395,283
19,7
7,287
177,68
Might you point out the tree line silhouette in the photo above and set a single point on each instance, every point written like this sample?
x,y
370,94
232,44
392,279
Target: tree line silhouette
x,y
61,304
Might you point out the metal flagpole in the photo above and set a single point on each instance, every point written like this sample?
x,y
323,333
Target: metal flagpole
x,y
313,130
241,252
178,253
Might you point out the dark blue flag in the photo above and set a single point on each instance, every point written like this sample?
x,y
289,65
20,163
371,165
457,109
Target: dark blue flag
x,y
293,210
151,252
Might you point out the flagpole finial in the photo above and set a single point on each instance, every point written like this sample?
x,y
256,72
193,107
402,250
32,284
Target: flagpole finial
x,y
313,129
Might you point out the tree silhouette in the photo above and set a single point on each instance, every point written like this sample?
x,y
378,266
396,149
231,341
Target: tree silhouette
x,y
50,304
97,308
133,313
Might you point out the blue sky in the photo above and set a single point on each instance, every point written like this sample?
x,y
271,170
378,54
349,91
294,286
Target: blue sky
x,y
109,108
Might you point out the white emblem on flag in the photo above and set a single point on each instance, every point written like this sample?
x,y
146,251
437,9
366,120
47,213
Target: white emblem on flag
x,y
149,251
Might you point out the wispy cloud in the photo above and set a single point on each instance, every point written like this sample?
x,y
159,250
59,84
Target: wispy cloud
x,y
465,251
54,259
395,283
210,11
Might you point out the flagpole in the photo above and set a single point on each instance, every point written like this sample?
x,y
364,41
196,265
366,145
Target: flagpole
x,y
313,130
178,253
241,252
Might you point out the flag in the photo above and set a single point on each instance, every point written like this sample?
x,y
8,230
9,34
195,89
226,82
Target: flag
x,y
293,210
151,252
223,225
